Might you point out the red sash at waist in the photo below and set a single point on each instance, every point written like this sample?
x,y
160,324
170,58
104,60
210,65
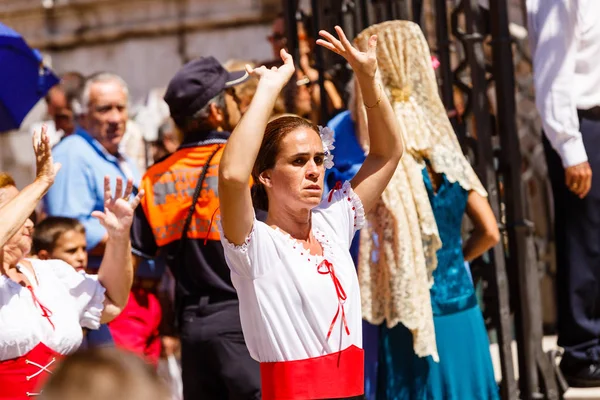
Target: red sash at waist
x,y
22,377
336,375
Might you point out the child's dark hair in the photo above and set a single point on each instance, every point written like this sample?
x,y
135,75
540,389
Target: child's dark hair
x,y
47,232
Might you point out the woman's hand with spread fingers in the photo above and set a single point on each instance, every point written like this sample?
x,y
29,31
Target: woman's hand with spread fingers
x,y
118,210
277,77
45,168
363,63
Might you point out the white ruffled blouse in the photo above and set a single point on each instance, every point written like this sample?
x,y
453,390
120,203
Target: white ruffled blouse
x,y
294,305
69,300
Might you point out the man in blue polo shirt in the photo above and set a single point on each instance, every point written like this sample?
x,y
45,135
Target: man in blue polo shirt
x,y
87,156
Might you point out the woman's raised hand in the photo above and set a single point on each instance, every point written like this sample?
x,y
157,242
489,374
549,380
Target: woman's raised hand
x,y
45,168
118,210
363,63
277,77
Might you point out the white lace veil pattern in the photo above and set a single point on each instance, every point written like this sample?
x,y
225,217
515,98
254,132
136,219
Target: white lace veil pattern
x,y
399,242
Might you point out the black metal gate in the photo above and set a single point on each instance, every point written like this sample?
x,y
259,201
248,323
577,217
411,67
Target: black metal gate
x,y
512,279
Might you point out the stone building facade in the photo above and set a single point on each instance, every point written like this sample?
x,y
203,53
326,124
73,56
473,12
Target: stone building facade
x,y
144,41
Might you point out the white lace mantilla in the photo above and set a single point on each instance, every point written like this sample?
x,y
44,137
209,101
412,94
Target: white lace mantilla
x,y
399,242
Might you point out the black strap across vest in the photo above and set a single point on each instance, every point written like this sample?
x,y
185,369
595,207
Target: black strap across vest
x,y
178,258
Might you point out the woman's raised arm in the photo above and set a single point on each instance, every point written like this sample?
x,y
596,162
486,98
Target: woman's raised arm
x,y
385,140
235,167
116,269
14,213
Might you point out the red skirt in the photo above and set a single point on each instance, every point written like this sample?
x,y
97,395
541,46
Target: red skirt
x,y
337,375
23,377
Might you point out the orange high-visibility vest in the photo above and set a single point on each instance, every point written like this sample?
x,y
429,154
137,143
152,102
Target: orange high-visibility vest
x,y
169,187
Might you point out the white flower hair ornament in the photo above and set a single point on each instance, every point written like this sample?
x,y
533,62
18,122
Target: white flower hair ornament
x,y
326,134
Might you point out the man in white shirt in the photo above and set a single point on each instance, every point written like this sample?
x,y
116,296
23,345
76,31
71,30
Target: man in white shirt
x,y
565,42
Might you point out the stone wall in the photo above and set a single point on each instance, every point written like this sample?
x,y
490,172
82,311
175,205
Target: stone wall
x,y
144,41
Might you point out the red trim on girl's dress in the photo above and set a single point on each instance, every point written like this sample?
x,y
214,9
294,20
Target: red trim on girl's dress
x,y
23,377
336,375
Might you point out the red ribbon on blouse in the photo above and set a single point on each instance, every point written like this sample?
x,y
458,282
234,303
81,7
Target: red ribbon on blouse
x,y
327,268
46,313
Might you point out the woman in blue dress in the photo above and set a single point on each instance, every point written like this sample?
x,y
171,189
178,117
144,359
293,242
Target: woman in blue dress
x,y
429,340
465,367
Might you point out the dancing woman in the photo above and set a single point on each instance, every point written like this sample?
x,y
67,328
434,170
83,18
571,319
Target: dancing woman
x,y
45,303
299,295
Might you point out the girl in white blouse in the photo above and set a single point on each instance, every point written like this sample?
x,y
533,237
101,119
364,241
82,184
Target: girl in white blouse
x,y
298,290
45,303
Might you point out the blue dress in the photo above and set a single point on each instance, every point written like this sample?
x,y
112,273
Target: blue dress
x,y
465,370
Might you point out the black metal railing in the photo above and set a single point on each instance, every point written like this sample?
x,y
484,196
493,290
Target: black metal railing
x,y
490,136
470,76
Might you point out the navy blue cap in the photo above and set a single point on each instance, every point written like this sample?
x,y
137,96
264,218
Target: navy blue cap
x,y
196,83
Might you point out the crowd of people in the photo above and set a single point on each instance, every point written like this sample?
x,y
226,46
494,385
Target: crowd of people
x,y
273,257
